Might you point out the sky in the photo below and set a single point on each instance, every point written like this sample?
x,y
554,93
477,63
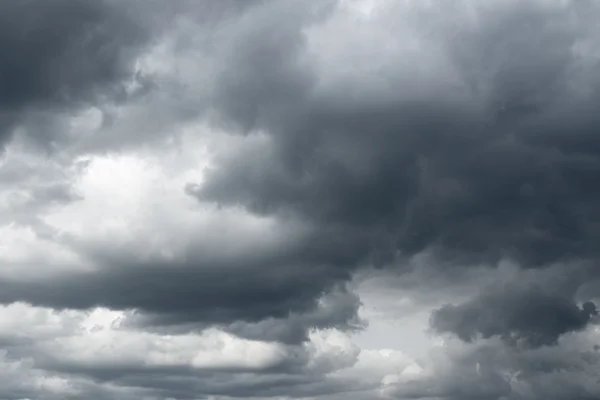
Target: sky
x,y
299,200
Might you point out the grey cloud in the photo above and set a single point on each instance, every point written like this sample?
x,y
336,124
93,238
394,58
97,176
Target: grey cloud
x,y
492,371
241,387
530,316
288,323
495,162
280,293
300,373
483,171
63,54
337,309
200,45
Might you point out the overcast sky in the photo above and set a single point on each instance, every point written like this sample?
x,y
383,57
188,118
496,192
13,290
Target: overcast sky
x,y
299,199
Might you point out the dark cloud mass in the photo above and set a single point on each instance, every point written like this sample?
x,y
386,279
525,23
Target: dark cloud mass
x,y
63,53
527,315
466,131
483,170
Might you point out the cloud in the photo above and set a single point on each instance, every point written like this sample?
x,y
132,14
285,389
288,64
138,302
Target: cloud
x,y
224,176
492,371
63,55
398,163
529,315
79,354
222,262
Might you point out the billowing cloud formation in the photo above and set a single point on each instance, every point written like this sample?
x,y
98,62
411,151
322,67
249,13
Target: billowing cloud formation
x,y
476,161
216,179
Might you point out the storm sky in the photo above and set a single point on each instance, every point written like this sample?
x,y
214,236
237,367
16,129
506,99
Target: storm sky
x,y
299,199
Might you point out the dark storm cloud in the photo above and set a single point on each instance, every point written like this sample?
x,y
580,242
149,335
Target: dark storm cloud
x,y
337,309
63,53
499,163
530,316
496,161
290,321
